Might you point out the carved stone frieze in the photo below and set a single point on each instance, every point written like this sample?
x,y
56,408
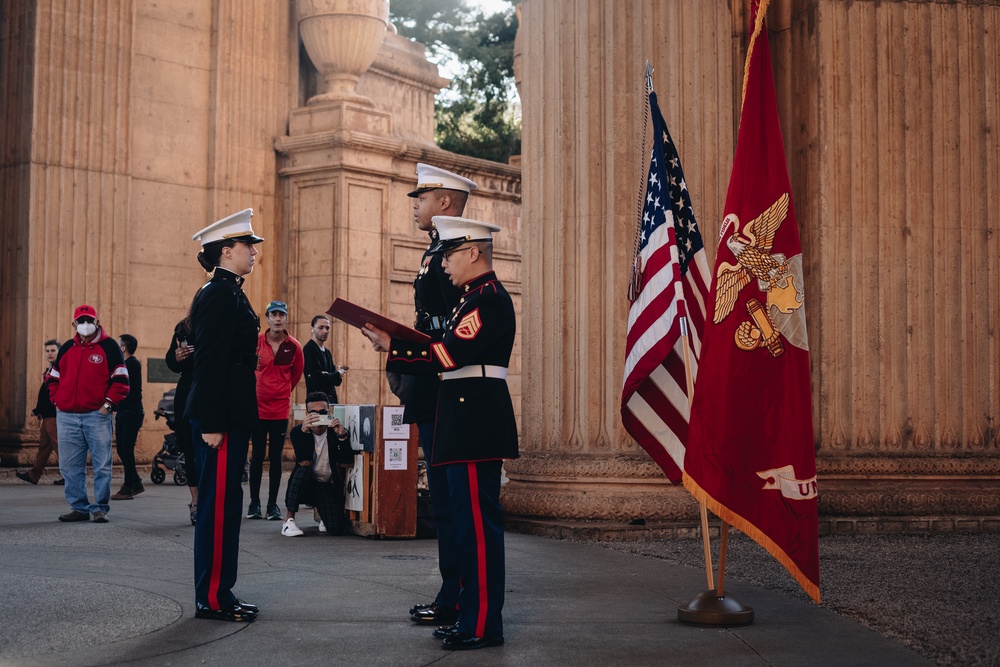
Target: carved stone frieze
x,y
908,465
593,489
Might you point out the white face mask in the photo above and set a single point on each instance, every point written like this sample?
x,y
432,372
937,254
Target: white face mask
x,y
86,329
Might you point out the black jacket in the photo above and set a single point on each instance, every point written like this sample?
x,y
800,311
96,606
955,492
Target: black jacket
x,y
184,367
340,451
43,406
223,385
475,416
321,374
133,402
433,299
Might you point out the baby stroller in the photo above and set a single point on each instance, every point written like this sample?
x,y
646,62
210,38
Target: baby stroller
x,y
170,455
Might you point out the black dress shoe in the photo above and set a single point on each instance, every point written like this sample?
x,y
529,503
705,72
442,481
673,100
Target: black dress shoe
x,y
463,641
417,607
235,613
435,615
445,631
252,608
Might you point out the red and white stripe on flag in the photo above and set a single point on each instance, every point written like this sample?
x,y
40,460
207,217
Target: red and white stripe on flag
x,y
674,285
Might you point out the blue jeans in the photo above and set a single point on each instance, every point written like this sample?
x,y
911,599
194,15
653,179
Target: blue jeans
x,y
79,433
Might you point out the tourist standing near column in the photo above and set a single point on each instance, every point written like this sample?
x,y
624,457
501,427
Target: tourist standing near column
x,y
278,371
86,382
475,429
48,438
180,359
222,408
321,373
128,420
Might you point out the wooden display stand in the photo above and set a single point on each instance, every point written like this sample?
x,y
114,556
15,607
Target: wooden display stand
x,y
390,496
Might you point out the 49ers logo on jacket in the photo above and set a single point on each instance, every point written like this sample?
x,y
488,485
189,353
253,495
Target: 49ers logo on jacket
x,y
95,359
469,326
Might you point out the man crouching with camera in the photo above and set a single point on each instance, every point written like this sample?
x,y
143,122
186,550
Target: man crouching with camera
x,y
317,479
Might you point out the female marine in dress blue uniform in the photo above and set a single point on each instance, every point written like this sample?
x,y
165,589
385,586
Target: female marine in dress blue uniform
x,y
222,408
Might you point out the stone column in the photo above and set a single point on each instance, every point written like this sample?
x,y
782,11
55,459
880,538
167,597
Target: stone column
x,y
581,74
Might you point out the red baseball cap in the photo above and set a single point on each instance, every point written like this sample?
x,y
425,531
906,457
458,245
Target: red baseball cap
x,y
84,311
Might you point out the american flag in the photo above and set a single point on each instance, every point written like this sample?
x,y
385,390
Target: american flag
x,y
674,284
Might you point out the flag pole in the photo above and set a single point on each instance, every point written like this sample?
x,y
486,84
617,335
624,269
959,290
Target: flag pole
x,y
704,509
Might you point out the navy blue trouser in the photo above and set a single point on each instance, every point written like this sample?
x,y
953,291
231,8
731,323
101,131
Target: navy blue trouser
x,y
220,513
474,489
437,484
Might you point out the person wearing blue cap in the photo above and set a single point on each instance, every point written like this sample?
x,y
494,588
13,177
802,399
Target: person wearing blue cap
x,y
475,428
222,408
279,370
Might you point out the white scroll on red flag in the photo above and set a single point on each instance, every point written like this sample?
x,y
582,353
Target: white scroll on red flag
x,y
750,452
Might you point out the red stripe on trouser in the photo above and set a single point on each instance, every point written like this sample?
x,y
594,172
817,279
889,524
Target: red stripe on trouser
x,y
477,520
219,514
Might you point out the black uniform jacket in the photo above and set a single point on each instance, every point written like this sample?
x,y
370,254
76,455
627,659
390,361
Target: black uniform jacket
x,y
223,386
433,299
475,416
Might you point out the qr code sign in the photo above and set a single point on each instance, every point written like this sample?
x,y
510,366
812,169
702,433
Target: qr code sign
x,y
396,419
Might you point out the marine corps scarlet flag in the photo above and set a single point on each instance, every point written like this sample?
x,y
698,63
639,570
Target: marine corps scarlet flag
x,y
750,455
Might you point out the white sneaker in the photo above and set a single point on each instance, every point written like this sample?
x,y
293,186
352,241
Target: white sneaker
x,y
289,529
322,527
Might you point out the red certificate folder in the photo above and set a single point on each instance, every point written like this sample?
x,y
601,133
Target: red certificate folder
x,y
357,316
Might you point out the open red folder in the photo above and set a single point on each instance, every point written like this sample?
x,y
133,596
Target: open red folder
x,y
357,316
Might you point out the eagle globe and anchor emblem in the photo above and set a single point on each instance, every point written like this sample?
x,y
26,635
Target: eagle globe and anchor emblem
x,y
779,277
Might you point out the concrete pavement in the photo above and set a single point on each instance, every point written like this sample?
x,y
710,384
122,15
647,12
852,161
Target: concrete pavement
x,y
122,593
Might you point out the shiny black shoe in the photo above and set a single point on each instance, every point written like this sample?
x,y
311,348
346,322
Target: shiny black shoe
x,y
252,608
417,607
445,631
463,641
435,615
235,614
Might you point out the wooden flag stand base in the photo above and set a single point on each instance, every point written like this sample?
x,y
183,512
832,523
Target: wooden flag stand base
x,y
714,607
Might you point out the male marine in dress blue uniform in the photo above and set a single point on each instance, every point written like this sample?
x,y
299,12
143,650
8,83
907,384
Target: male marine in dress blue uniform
x,y
223,399
475,429
438,192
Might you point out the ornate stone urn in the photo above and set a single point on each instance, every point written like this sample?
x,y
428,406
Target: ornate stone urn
x,y
342,38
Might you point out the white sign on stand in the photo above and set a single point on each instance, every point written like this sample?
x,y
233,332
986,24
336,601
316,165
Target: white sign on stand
x,y
395,455
393,427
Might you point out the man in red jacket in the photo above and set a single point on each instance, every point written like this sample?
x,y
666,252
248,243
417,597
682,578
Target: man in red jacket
x,y
86,382
278,371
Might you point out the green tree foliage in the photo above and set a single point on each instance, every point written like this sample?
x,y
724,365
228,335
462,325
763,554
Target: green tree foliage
x,y
478,114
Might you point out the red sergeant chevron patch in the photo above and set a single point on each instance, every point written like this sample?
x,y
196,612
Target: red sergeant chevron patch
x,y
469,326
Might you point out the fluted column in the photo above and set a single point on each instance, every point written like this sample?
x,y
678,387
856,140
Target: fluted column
x,y
581,71
65,182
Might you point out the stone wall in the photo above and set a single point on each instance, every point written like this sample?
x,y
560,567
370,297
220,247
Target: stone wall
x,y
889,113
130,124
